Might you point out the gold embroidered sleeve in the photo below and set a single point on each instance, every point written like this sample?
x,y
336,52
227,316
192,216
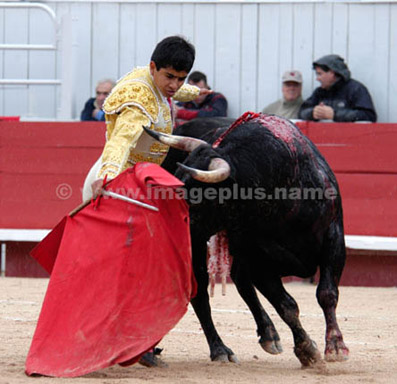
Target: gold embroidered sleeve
x,y
132,93
187,93
125,135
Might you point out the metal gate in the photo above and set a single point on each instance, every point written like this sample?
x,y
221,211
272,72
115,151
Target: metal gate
x,y
61,41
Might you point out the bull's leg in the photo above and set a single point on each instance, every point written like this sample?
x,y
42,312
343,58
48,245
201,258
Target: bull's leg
x,y
331,266
268,336
272,288
218,350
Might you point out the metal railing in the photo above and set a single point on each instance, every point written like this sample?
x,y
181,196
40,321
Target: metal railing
x,y
61,38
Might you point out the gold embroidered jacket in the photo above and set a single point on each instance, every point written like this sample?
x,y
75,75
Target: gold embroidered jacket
x,y
134,102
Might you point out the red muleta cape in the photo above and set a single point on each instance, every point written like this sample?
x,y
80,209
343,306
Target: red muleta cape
x,y
121,277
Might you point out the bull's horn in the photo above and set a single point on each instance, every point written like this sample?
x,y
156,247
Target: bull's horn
x,y
218,171
187,144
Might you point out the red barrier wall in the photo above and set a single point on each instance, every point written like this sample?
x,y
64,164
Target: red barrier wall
x,y
43,166
363,157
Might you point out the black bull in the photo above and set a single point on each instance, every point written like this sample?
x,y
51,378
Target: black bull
x,y
289,222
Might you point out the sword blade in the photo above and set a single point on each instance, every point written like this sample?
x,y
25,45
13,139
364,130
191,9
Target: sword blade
x,y
129,200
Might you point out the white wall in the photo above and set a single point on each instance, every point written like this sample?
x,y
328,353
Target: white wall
x,y
242,46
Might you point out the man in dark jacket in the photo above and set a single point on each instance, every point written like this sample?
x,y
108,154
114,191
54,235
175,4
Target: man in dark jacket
x,y
339,98
211,105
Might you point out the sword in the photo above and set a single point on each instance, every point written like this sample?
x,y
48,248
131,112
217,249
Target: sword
x,y
128,200
115,196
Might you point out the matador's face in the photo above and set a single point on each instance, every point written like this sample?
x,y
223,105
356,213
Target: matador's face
x,y
167,80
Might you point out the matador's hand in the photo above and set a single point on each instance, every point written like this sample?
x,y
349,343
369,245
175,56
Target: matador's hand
x,y
96,188
205,91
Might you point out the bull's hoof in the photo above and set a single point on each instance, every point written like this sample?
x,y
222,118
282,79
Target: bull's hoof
x,y
225,358
150,360
319,366
223,354
233,359
273,347
221,358
335,349
336,355
308,354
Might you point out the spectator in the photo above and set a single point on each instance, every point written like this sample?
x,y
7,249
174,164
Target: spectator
x,y
289,105
210,105
93,107
339,98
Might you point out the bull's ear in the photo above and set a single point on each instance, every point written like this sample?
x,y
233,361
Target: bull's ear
x,y
218,170
187,144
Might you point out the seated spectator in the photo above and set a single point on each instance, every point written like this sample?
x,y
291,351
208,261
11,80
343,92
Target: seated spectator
x,y
211,105
339,98
93,107
289,105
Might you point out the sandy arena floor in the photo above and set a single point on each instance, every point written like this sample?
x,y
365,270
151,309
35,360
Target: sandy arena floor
x,y
367,317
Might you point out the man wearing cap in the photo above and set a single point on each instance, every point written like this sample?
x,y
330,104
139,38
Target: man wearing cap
x,y
339,97
289,105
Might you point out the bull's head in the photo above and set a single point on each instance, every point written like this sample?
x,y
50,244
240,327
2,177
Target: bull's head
x,y
218,169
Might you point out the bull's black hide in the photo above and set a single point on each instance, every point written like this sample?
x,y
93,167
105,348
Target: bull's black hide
x,y
291,232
